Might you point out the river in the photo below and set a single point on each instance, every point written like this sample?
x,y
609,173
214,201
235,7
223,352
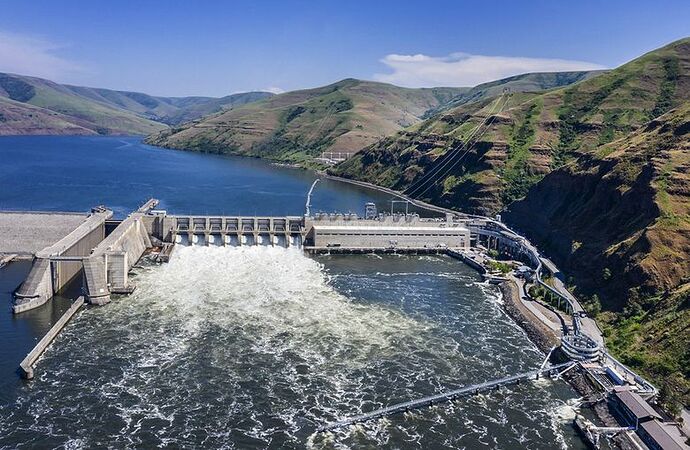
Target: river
x,y
256,347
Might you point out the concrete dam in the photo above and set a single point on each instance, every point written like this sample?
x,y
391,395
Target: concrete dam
x,y
101,252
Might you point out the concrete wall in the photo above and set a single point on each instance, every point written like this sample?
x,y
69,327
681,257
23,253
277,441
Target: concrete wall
x,y
117,270
159,226
107,268
37,289
383,237
46,277
65,271
398,231
27,364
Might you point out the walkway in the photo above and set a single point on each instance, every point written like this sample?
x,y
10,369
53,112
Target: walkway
x,y
444,397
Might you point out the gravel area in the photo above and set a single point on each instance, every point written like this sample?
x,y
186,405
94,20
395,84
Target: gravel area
x,y
25,233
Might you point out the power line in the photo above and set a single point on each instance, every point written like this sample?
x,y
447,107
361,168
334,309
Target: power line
x,y
455,163
449,155
442,169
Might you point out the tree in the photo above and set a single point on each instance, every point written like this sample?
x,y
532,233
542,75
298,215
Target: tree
x,y
593,306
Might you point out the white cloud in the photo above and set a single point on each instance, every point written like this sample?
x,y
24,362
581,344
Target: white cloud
x,y
29,55
274,90
463,69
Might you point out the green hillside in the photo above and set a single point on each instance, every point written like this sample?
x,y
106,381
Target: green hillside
x,y
30,105
168,110
78,112
300,125
528,82
527,138
596,174
343,117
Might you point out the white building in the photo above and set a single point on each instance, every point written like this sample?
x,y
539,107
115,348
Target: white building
x,y
387,232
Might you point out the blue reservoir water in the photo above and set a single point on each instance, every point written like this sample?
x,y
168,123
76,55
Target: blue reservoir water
x,y
66,173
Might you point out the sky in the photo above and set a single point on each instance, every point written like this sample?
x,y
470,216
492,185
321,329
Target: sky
x,y
215,48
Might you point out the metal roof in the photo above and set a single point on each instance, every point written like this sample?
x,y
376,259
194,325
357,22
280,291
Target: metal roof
x,y
636,404
668,436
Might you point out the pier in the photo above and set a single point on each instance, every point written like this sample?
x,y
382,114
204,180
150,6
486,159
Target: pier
x,y
27,364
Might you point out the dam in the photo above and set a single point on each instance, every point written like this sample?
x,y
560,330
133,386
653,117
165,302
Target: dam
x,y
102,258
310,341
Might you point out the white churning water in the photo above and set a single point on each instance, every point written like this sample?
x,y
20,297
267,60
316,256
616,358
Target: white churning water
x,y
255,347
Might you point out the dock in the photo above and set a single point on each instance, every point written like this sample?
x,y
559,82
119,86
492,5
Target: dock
x,y
27,364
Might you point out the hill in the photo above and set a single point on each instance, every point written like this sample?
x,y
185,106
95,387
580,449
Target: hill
x,y
168,110
528,82
618,220
300,125
30,105
596,174
526,135
343,117
35,106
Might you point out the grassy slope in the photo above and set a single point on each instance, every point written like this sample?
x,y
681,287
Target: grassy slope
x,y
37,106
534,133
300,125
168,110
528,82
54,98
618,220
20,118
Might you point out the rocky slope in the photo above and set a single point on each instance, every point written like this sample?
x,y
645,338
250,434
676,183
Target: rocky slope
x,y
618,221
527,134
30,105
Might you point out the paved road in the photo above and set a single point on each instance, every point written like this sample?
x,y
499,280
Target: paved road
x,y
588,325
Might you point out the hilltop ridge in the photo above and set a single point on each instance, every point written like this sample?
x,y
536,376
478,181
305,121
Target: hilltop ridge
x,y
30,105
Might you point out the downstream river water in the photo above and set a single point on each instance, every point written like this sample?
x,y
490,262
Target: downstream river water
x,y
256,347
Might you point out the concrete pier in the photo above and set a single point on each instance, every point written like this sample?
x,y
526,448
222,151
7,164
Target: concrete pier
x,y
106,269
28,363
58,264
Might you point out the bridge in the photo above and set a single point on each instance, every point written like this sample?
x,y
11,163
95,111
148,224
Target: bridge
x,y
446,396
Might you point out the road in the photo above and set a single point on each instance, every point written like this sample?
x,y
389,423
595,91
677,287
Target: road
x,y
587,324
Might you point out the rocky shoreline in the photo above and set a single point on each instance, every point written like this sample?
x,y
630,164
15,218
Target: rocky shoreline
x,y
537,332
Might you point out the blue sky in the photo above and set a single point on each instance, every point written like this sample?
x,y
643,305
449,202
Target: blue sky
x,y
215,48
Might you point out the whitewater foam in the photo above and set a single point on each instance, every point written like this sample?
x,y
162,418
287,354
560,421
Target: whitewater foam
x,y
255,347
